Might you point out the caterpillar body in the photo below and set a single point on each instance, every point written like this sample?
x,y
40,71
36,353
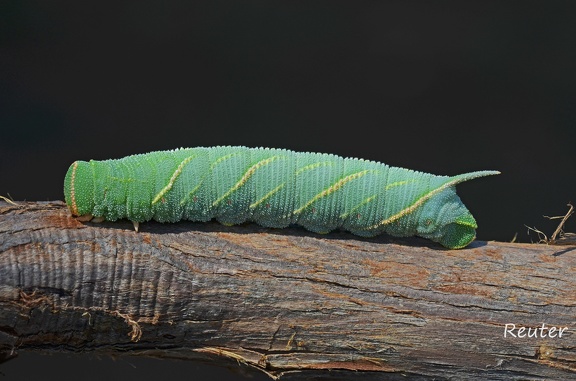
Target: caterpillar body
x,y
274,188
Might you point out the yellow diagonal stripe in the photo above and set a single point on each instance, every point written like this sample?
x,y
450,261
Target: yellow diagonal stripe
x,y
415,205
185,199
312,166
371,198
397,183
175,175
364,202
245,178
268,195
333,188
221,159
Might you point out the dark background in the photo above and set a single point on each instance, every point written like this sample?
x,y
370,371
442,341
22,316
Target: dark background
x,y
444,87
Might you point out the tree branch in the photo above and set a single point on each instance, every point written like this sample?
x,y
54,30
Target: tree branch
x,y
287,302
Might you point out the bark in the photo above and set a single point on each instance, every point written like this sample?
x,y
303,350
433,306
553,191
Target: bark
x,y
287,302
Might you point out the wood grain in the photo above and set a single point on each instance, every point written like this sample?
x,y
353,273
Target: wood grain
x,y
287,302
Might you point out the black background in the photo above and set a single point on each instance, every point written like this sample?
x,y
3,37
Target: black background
x,y
444,87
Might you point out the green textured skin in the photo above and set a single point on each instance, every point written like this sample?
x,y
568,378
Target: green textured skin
x,y
274,188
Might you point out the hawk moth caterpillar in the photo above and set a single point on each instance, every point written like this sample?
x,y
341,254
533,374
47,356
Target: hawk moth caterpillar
x,y
274,188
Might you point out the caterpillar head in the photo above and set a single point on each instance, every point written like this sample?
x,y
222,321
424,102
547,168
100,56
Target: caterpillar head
x,y
79,188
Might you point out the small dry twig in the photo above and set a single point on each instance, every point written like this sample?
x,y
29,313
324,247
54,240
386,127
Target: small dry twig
x,y
9,200
559,230
559,236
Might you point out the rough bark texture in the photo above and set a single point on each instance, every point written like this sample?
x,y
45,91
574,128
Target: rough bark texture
x,y
287,302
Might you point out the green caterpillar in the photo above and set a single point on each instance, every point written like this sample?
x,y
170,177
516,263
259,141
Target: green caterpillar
x,y
274,188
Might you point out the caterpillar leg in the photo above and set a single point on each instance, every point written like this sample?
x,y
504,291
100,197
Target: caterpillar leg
x,y
136,225
90,218
85,218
